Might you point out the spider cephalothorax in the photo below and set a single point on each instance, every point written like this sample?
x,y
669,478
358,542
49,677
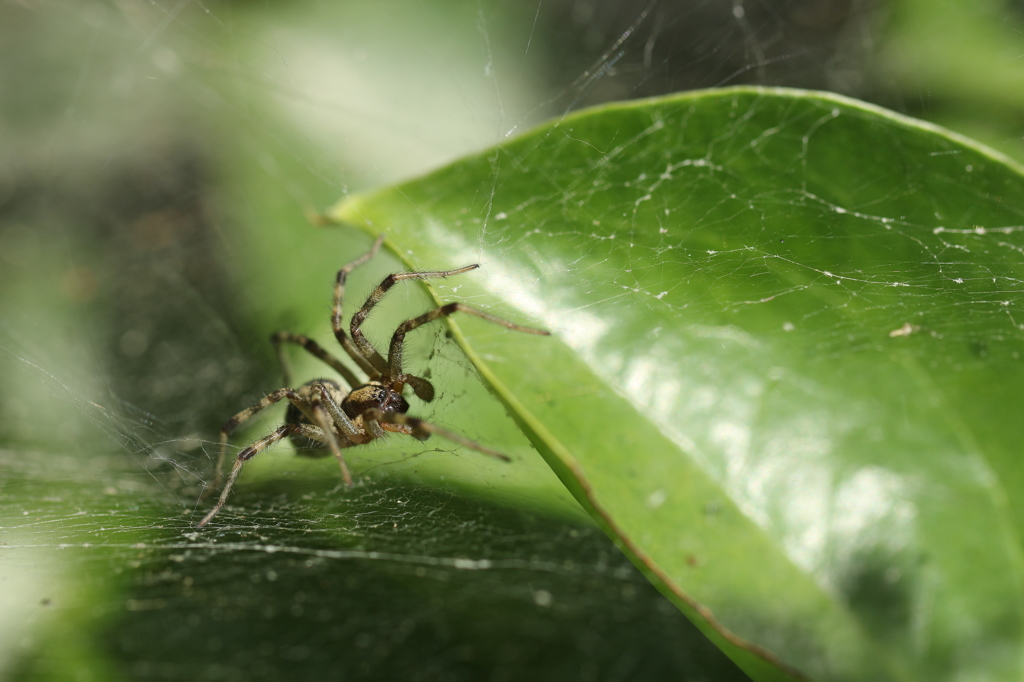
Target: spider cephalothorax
x,y
323,417
374,394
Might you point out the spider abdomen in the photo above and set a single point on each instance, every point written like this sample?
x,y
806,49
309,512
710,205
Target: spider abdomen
x,y
303,445
374,394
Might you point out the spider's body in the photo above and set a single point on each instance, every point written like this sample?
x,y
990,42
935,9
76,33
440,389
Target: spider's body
x,y
323,417
374,394
370,395
293,415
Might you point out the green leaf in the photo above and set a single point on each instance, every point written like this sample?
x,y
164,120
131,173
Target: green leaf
x,y
785,369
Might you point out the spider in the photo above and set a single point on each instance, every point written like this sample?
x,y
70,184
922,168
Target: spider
x,y
322,417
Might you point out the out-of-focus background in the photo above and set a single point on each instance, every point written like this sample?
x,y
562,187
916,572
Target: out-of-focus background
x,y
161,166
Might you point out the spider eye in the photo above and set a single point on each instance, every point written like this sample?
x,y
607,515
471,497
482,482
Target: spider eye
x,y
396,403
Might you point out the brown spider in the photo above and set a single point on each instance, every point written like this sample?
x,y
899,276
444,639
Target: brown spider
x,y
323,418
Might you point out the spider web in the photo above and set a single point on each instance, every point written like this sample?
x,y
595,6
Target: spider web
x,y
154,235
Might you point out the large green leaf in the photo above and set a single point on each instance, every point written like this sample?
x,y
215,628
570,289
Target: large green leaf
x,y
785,367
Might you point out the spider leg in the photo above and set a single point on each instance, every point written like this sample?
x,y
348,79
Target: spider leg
x,y
247,414
329,415
314,348
338,418
248,453
421,430
365,347
355,351
398,338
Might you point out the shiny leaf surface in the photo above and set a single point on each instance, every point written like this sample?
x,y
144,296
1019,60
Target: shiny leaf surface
x,y
785,364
